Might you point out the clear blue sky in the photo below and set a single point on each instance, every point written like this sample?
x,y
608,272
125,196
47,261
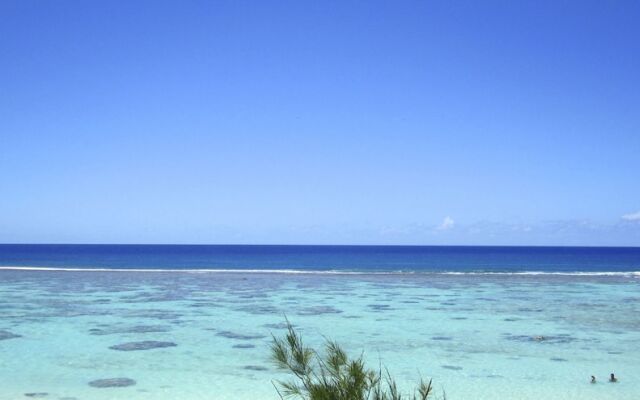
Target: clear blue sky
x,y
398,122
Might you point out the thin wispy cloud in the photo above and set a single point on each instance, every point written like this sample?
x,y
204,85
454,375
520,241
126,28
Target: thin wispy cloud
x,y
632,217
446,224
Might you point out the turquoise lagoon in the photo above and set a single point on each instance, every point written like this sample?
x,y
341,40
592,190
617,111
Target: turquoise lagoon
x,y
478,335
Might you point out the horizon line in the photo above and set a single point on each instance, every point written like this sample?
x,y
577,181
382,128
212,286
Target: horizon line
x,y
316,245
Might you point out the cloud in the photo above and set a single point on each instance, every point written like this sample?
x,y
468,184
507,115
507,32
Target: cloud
x,y
632,216
446,224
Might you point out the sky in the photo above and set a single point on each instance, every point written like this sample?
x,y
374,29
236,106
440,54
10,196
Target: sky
x,y
328,122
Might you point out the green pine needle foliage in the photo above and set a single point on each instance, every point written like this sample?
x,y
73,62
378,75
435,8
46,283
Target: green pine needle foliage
x,y
333,375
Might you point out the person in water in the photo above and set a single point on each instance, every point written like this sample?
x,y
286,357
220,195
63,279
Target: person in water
x,y
593,379
613,378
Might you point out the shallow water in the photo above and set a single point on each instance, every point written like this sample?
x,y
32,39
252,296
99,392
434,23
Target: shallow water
x,y
476,335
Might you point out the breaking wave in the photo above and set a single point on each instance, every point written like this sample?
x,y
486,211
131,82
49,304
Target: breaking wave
x,y
325,272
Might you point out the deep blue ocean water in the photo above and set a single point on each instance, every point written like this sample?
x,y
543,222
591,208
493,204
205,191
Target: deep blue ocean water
x,y
326,258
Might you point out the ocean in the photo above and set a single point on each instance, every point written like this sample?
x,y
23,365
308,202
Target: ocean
x,y
326,258
482,322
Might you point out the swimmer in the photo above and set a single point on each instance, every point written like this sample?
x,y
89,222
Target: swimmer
x,y
593,379
613,378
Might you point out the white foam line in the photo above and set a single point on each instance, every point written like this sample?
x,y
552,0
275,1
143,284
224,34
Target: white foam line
x,y
534,273
204,271
324,272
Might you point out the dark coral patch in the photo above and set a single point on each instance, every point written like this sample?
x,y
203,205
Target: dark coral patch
x,y
144,345
318,310
551,339
243,346
4,335
281,325
112,382
380,307
239,336
132,329
255,368
259,310
154,314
